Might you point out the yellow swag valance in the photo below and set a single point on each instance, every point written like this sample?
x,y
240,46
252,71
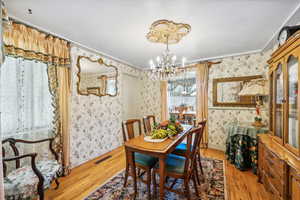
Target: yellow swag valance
x,y
21,40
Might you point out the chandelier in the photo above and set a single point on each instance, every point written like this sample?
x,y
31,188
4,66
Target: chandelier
x,y
164,65
166,32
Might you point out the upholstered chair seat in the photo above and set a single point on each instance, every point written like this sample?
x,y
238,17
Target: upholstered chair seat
x,y
145,160
22,182
174,164
180,149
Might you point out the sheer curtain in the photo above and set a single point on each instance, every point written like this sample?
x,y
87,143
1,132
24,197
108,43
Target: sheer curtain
x,y
25,99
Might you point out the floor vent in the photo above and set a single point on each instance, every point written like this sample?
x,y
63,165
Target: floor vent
x,y
102,159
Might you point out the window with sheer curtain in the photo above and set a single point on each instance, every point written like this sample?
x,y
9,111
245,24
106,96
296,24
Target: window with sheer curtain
x,y
182,97
25,99
182,91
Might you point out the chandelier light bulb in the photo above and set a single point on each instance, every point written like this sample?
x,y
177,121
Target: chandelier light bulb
x,y
183,61
174,58
151,63
158,59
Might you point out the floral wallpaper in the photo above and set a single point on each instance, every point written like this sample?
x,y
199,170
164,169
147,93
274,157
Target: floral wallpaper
x,y
220,117
150,94
96,121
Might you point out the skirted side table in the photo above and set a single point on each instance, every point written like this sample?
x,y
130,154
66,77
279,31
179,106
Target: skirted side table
x,y
241,145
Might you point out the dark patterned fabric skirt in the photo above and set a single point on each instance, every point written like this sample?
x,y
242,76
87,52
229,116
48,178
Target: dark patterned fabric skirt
x,y
241,150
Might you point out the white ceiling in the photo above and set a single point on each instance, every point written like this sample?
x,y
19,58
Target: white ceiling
x,y
118,27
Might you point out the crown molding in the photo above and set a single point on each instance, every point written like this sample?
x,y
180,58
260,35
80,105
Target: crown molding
x,y
75,43
282,25
223,56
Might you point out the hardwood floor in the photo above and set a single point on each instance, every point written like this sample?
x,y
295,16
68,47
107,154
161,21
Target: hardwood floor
x,y
89,176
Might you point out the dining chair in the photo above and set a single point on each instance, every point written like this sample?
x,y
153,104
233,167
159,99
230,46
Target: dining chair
x,y
181,150
179,167
147,123
142,161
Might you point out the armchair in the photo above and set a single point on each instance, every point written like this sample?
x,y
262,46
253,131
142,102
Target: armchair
x,y
29,181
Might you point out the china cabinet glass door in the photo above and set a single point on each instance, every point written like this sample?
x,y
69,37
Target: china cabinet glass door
x,y
279,101
292,126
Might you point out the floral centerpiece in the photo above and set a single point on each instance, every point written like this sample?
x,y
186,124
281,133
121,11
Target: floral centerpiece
x,y
168,128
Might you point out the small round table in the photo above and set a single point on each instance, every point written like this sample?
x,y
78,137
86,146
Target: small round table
x,y
241,145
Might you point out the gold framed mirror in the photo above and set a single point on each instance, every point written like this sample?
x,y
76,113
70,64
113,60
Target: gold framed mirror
x,y
226,92
95,77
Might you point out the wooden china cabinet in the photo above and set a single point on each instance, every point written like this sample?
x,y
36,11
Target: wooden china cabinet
x,y
279,151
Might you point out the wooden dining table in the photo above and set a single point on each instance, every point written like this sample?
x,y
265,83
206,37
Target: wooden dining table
x,y
159,150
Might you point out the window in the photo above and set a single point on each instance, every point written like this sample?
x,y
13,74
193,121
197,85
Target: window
x,y
182,97
25,99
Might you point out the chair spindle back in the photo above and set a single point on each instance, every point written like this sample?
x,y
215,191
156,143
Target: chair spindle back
x,y
147,123
128,128
193,146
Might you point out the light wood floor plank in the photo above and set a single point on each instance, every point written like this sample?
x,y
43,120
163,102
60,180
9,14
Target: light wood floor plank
x,y
88,177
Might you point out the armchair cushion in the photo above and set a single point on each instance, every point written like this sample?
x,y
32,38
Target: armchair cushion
x,y
22,183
